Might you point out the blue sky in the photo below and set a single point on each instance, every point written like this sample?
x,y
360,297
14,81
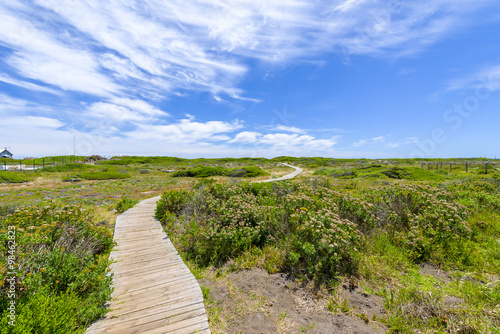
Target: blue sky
x,y
201,78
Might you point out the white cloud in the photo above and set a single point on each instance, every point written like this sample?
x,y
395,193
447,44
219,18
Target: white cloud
x,y
24,122
488,78
139,106
405,141
285,142
41,56
12,104
379,139
27,85
161,47
245,137
186,131
360,143
285,128
114,112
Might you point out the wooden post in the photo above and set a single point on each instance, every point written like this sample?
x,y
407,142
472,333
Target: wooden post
x,y
486,167
441,165
53,161
4,165
437,165
43,162
466,166
428,166
34,168
450,166
20,168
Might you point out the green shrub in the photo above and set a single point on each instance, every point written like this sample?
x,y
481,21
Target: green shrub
x,y
171,201
325,245
124,204
205,171
61,263
12,177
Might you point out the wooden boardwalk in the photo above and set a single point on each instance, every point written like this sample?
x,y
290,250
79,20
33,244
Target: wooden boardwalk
x,y
154,290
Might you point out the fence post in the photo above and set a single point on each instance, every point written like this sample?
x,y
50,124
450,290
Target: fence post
x,y
34,168
43,162
486,167
4,165
20,168
451,164
437,165
467,166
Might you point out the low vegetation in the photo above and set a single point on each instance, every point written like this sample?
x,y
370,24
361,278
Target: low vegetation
x,y
385,226
71,167
12,177
124,204
57,273
324,233
381,172
103,175
205,171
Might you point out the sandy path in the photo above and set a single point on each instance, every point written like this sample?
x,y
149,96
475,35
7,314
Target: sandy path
x,y
285,177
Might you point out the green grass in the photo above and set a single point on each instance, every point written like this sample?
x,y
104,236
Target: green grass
x,y
100,175
12,177
70,167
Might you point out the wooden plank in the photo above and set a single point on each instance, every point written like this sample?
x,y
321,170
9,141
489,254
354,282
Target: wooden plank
x,y
154,291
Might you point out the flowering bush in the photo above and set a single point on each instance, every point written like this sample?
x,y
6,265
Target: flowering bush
x,y
324,243
60,269
424,219
319,228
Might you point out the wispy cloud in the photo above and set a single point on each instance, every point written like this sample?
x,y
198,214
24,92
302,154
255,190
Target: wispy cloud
x,y
488,78
161,47
284,128
405,141
28,85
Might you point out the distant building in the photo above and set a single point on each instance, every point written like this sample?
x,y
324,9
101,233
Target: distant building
x,y
6,154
